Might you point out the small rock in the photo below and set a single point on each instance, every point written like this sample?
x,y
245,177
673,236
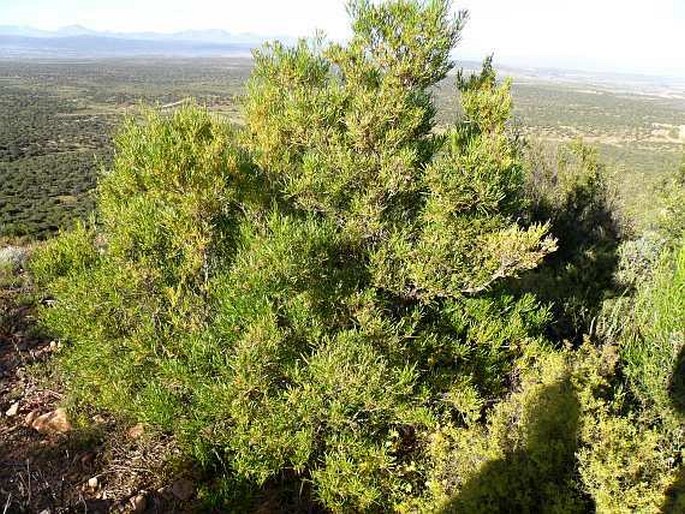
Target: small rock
x,y
12,411
52,422
182,489
93,482
53,345
99,420
136,431
13,257
139,503
30,417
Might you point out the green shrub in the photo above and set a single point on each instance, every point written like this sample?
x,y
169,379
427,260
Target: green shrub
x,y
329,297
318,291
671,223
523,458
638,259
631,460
134,289
626,462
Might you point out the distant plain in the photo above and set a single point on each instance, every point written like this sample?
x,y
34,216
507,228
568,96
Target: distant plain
x,y
57,118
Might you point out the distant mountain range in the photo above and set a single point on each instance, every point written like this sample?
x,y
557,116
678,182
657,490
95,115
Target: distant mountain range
x,y
78,41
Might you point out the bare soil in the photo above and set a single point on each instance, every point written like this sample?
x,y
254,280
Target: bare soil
x,y
98,465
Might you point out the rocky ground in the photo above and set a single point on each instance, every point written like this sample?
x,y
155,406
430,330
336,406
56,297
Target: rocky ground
x,y
52,464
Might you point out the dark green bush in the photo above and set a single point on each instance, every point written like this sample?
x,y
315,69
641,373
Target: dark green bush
x,y
568,186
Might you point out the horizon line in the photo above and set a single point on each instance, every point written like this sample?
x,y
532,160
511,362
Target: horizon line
x,y
515,62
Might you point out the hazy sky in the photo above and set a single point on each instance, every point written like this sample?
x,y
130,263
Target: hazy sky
x,y
625,35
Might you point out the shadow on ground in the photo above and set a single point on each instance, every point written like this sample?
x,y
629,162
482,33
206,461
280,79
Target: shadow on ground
x,y
675,496
538,478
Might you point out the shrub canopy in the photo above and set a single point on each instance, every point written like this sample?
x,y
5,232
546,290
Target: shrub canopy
x,y
325,293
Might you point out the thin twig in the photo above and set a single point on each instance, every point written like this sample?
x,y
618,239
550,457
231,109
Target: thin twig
x,y
7,504
28,473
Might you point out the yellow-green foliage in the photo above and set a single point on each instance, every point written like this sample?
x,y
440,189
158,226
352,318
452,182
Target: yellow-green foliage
x,y
327,295
523,458
135,288
625,462
71,253
632,429
672,219
316,291
624,466
564,441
